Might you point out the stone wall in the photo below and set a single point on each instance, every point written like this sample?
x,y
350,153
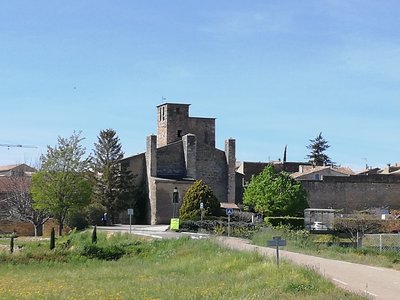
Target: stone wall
x,y
27,229
21,228
213,170
137,165
204,129
171,161
164,206
354,192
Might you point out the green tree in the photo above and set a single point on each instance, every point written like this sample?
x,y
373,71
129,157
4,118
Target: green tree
x,y
196,194
275,195
114,182
63,183
318,147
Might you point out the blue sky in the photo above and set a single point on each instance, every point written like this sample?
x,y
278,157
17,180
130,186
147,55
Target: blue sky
x,y
271,72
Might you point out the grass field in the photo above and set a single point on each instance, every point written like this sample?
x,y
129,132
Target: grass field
x,y
167,269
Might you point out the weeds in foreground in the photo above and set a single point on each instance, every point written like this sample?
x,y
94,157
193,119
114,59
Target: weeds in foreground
x,y
160,269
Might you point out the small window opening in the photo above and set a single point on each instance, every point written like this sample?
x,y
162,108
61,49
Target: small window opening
x,y
163,113
179,133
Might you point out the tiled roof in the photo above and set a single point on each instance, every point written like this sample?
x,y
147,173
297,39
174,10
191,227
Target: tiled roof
x,y
16,169
316,169
228,205
8,168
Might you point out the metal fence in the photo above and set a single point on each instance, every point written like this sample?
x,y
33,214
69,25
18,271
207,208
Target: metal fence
x,y
382,242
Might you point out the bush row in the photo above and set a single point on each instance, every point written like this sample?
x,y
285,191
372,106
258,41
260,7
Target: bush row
x,y
238,229
292,222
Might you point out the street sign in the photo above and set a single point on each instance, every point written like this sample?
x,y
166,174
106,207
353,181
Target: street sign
x,y
229,211
276,242
130,214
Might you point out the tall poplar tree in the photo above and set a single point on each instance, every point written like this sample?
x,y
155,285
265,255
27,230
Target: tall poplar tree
x,y
62,184
114,186
317,149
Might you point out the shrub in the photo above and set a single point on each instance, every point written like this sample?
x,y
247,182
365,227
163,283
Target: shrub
x,y
292,222
238,229
77,219
94,213
196,194
107,252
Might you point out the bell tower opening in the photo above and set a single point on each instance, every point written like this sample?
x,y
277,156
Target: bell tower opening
x,y
172,123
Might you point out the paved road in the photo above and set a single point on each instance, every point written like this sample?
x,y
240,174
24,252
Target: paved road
x,y
378,283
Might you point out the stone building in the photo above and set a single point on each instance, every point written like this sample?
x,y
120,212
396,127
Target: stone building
x,y
182,151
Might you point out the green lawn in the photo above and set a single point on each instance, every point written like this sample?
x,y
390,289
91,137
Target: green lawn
x,y
167,269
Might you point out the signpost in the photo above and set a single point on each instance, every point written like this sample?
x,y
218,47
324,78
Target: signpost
x,y
201,211
130,214
174,225
229,212
175,200
276,242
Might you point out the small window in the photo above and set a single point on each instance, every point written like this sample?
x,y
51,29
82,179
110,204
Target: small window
x,y
163,113
179,133
317,177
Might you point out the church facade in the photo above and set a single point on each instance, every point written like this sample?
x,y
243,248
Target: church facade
x,y
182,151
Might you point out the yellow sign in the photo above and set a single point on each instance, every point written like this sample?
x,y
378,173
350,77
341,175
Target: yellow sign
x,y
174,224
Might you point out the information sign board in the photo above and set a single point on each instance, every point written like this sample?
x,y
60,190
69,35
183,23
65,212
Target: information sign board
x,y
174,224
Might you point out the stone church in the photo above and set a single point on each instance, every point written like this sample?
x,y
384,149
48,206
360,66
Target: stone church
x,y
182,151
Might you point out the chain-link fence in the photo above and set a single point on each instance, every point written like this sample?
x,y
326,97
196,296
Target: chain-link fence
x,y
382,242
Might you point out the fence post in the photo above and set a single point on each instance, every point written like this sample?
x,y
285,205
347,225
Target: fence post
x,y
380,243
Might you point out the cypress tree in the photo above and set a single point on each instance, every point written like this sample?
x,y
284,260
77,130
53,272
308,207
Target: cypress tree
x,y
94,235
114,182
12,244
52,239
